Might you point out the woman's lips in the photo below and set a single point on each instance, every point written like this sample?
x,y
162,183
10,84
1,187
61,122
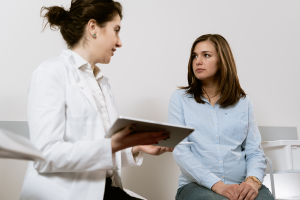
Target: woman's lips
x,y
112,53
200,70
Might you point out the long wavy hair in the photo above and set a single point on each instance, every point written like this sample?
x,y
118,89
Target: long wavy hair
x,y
229,87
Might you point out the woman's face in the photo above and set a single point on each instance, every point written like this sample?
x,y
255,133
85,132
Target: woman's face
x,y
205,61
107,40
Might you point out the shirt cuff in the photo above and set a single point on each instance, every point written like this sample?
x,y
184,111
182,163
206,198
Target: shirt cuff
x,y
259,176
209,180
131,160
138,157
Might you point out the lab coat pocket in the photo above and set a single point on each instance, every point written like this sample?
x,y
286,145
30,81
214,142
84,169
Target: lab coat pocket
x,y
39,186
235,126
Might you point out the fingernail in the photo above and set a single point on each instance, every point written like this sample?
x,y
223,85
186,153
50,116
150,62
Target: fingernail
x,y
131,128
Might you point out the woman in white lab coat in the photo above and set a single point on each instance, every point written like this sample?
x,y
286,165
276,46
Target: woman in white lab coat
x,y
71,107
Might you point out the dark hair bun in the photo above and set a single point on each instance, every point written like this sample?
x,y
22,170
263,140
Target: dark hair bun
x,y
55,16
72,23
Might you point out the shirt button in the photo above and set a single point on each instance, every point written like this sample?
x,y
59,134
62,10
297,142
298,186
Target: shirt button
x,y
221,162
217,136
214,111
215,122
218,148
222,176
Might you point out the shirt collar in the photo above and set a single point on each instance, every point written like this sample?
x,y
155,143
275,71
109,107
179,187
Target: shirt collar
x,y
80,62
206,100
98,73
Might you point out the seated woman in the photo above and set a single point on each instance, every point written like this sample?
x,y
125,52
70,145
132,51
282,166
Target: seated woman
x,y
226,159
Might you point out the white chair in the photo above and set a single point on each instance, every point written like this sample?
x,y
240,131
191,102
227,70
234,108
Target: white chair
x,y
274,134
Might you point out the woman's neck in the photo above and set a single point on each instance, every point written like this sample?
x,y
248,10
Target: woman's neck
x,y
210,87
84,53
210,91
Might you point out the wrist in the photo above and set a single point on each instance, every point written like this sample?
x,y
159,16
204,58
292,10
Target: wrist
x,y
253,181
135,150
216,186
114,147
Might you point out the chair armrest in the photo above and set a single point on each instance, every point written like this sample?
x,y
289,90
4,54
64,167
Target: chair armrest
x,y
269,162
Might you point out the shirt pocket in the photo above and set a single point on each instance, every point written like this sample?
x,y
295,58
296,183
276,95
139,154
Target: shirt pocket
x,y
235,126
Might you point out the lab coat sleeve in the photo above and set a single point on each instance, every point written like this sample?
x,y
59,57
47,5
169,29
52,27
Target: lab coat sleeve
x,y
46,118
129,160
189,165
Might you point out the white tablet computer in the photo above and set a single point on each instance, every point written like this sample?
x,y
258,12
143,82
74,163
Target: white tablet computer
x,y
177,133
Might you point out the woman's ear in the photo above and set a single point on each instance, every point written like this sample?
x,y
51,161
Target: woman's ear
x,y
92,28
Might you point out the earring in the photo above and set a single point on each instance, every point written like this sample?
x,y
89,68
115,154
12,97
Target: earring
x,y
94,35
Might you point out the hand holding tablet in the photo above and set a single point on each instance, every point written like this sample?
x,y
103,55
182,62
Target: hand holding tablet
x,y
148,128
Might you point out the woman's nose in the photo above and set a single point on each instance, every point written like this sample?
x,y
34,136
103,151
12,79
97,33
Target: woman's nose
x,y
119,43
199,60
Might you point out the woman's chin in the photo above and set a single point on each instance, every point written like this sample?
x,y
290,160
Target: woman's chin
x,y
106,61
201,78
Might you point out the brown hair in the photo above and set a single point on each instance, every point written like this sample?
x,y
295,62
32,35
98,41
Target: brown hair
x,y
71,23
229,87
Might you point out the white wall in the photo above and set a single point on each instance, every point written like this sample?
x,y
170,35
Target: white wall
x,y
157,37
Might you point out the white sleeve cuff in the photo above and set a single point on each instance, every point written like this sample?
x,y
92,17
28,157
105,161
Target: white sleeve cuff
x,y
131,160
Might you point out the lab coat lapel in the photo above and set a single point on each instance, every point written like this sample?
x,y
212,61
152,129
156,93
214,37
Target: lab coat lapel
x,y
111,107
80,81
87,92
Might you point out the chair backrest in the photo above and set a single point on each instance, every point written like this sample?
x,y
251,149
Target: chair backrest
x,y
271,133
18,127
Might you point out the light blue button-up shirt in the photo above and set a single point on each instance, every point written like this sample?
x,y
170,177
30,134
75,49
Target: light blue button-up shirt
x,y
226,141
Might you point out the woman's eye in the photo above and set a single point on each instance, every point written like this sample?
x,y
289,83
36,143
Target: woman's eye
x,y
206,55
194,56
117,31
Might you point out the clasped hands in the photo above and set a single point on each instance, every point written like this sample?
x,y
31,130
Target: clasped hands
x,y
245,191
139,141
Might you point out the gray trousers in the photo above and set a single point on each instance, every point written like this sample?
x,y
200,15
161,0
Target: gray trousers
x,y
193,191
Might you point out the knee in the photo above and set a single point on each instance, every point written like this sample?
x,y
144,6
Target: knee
x,y
264,194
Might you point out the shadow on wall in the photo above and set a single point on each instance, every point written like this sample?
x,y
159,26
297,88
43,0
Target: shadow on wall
x,y
157,178
149,108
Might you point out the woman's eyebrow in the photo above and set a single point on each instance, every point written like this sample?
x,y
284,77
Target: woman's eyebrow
x,y
206,52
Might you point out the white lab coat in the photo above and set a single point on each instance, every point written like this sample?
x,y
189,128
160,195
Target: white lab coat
x,y
66,126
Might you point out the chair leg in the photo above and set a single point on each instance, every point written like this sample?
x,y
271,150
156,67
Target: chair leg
x,y
271,176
